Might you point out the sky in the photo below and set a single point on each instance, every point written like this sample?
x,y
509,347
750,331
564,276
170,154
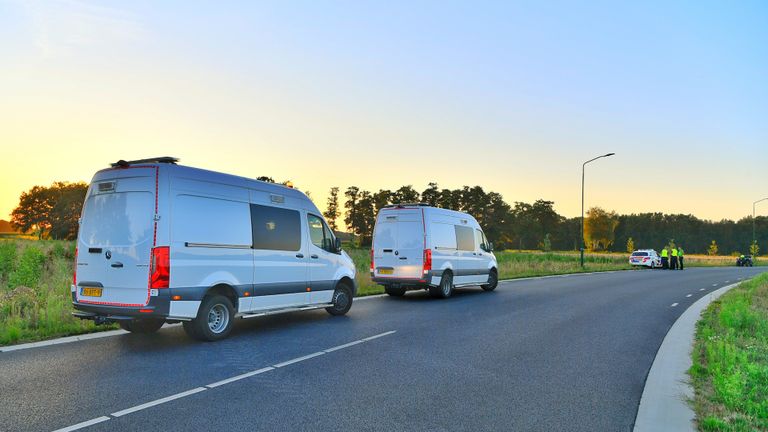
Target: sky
x,y
511,96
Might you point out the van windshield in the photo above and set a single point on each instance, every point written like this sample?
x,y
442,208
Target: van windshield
x,y
117,219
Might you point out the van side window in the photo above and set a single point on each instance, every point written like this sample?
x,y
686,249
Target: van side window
x,y
320,234
275,228
479,239
465,239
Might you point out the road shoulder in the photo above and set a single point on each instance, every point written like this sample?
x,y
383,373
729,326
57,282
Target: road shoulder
x,y
664,403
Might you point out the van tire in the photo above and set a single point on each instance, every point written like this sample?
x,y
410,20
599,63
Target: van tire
x,y
142,326
342,300
445,289
493,281
214,320
394,291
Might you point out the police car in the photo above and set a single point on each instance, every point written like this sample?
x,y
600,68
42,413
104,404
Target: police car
x,y
645,257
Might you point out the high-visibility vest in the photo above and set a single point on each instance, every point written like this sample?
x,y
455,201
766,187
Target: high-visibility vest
x,y
679,251
674,252
663,253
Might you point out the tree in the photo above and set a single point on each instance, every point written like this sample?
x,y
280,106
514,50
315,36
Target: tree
x,y
332,211
53,211
630,245
406,194
599,228
431,195
712,249
265,179
381,199
353,196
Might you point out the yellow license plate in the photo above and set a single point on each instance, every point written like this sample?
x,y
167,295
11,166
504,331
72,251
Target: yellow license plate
x,y
386,271
91,292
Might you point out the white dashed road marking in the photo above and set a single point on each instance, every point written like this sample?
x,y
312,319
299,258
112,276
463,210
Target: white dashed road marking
x,y
714,284
216,384
702,289
674,304
158,402
689,295
83,424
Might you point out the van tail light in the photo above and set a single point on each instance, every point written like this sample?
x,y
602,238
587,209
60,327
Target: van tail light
x,y
74,270
372,265
160,267
427,260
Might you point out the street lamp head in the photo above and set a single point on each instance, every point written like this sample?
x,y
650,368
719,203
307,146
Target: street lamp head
x,y
610,154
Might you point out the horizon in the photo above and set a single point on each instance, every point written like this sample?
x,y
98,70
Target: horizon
x,y
380,96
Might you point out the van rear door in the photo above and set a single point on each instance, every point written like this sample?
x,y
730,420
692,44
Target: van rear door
x,y
398,244
116,238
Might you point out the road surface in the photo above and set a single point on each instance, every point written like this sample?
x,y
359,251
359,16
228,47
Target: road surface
x,y
557,353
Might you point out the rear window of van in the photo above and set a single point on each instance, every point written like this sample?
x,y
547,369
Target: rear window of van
x,y
117,219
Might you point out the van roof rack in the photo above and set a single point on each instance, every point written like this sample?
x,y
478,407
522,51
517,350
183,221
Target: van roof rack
x,y
401,205
162,159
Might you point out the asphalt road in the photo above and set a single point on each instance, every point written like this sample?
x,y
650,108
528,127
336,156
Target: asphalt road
x,y
558,353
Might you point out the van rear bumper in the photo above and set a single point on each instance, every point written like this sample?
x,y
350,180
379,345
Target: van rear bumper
x,y
422,282
158,307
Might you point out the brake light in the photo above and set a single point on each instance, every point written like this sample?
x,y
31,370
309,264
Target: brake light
x,y
427,260
645,259
74,271
160,267
371,258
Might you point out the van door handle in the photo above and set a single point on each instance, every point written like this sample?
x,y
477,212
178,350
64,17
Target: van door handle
x,y
299,255
117,265
313,256
403,258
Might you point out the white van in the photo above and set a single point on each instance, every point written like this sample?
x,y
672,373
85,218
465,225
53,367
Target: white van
x,y
417,246
159,242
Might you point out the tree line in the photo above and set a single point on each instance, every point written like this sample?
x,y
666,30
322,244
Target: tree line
x,y
537,225
53,212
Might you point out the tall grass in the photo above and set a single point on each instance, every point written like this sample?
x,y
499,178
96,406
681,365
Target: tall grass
x,y
730,361
35,300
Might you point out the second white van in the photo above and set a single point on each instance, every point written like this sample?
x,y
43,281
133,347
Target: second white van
x,y
159,242
416,246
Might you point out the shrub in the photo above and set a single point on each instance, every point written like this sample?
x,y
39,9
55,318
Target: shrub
x,y
29,269
7,258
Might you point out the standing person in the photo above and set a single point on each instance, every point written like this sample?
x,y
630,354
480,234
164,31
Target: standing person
x,y
680,257
665,258
673,263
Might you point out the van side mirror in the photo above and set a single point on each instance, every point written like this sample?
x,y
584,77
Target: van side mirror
x,y
337,245
490,247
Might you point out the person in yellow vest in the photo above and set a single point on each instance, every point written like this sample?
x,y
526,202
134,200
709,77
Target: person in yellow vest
x,y
680,257
665,258
673,261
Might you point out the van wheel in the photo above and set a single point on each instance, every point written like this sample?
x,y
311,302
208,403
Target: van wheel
x,y
395,291
445,289
214,321
493,281
342,300
142,326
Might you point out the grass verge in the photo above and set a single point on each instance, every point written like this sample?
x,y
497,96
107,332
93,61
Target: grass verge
x,y
730,361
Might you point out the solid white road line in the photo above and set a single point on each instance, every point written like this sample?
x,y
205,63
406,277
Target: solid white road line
x,y
673,304
298,359
63,340
83,424
689,295
239,377
158,402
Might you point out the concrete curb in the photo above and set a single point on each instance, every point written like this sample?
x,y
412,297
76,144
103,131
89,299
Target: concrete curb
x,y
664,403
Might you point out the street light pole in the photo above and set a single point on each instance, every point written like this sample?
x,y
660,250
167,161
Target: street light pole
x,y
583,166
754,239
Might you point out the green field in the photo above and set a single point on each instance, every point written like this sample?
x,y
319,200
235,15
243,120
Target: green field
x,y
35,278
730,360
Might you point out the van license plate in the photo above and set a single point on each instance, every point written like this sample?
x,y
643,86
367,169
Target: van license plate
x,y
91,292
386,271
